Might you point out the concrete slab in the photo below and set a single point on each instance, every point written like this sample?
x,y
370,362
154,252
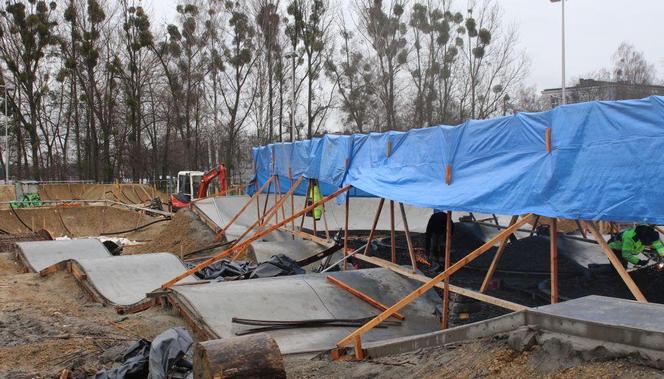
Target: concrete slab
x,y
38,255
125,280
305,297
609,310
221,209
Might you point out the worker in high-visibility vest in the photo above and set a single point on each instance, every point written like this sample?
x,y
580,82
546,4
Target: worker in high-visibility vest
x,y
633,241
313,197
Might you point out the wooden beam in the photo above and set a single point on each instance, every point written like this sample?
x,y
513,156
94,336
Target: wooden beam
x,y
373,226
393,238
431,283
445,322
306,236
496,259
460,290
615,261
362,296
245,206
347,206
553,236
411,251
257,235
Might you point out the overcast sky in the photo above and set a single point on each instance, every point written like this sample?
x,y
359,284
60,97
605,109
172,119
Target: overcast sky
x,y
595,28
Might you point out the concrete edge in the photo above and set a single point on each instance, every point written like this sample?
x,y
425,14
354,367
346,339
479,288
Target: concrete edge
x,y
480,329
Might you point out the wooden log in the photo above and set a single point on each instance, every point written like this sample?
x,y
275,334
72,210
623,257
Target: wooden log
x,y
251,356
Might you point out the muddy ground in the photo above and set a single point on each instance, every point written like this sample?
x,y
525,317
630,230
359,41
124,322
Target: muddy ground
x,y
487,358
48,324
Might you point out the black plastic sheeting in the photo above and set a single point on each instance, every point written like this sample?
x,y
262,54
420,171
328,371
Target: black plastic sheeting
x,y
278,265
160,359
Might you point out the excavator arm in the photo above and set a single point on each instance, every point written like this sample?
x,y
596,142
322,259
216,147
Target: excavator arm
x,y
208,177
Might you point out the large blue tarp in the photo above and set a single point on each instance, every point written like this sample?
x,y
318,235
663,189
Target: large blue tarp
x,y
606,163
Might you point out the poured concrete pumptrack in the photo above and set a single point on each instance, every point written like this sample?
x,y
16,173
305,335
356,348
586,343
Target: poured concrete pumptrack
x,y
220,210
38,255
72,221
307,297
126,279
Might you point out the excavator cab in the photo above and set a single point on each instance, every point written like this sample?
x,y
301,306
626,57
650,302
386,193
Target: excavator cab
x,y
192,185
187,188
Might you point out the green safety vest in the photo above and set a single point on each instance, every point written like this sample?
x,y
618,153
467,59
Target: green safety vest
x,y
631,247
314,194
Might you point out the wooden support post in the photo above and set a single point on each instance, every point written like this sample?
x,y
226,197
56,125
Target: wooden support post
x,y
496,259
359,353
245,206
373,226
393,239
313,212
292,203
267,198
583,232
347,206
306,199
362,296
356,335
241,246
258,204
446,289
553,236
615,261
411,251
532,231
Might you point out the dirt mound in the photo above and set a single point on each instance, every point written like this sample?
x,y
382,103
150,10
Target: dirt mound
x,y
185,233
71,221
8,241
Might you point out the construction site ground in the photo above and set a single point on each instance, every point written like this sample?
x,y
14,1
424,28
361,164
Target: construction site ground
x,y
47,324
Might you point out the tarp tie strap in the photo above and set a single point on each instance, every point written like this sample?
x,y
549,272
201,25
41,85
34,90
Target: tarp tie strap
x,y
448,174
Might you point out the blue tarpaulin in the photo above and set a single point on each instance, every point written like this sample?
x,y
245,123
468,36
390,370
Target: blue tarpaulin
x,y
606,163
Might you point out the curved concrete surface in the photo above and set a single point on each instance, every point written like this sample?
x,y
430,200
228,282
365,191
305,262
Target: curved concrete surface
x,y
38,255
221,209
306,297
126,279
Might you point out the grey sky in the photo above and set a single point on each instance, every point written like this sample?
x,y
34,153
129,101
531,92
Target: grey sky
x,y
595,28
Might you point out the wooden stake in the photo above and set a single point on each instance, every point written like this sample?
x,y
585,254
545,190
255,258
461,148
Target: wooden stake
x,y
411,251
362,296
615,261
373,226
356,335
241,246
553,235
393,239
547,138
446,289
496,259
347,206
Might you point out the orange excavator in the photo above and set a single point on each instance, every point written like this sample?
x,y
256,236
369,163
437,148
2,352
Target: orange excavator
x,y
194,185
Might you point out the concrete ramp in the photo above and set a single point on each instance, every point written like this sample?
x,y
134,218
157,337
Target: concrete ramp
x,y
123,281
304,297
38,255
221,209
